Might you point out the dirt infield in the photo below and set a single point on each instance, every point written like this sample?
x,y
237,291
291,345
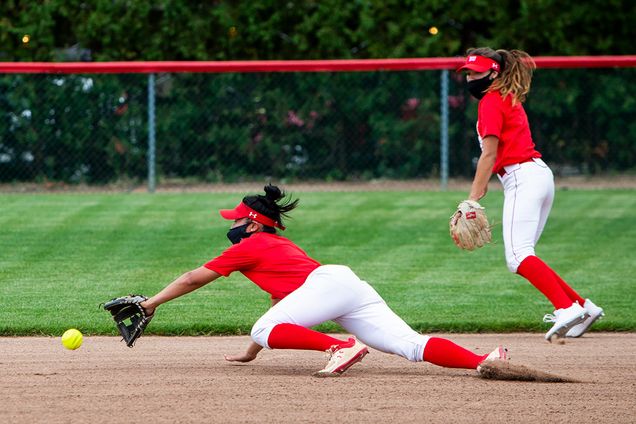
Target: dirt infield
x,y
186,380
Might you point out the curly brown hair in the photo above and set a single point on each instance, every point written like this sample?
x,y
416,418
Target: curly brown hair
x,y
516,71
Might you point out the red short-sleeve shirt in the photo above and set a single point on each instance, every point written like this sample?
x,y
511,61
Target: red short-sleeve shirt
x,y
498,117
273,263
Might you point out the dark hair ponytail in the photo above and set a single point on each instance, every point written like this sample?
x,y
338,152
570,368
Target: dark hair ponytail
x,y
275,204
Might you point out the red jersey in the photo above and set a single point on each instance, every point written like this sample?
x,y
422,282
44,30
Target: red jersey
x,y
498,117
273,263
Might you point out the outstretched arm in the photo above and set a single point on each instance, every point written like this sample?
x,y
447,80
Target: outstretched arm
x,y
252,350
186,283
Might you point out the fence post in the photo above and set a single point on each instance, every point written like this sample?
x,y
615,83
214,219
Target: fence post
x,y
444,130
151,134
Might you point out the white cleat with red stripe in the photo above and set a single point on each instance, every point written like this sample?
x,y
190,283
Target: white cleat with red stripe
x,y
499,354
342,357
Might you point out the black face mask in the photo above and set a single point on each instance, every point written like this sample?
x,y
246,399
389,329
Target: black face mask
x,y
236,234
478,87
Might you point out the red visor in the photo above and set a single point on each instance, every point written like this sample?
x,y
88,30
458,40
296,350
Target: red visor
x,y
479,64
243,211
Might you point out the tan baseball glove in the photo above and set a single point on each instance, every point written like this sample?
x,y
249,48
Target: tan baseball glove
x,y
469,226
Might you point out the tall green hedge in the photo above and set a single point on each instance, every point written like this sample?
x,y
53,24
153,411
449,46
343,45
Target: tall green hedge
x,y
329,126
309,29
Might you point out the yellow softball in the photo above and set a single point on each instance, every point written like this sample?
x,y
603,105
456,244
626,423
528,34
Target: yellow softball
x,y
72,339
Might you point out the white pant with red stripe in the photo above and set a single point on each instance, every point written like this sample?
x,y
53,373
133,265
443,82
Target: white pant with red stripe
x,y
528,196
335,293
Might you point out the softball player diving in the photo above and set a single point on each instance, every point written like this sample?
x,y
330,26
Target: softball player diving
x,y
501,80
305,293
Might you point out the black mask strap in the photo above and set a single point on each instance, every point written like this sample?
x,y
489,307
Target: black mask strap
x,y
478,87
236,234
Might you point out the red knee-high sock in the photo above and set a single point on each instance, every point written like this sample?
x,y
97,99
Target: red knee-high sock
x,y
291,336
544,279
445,353
573,295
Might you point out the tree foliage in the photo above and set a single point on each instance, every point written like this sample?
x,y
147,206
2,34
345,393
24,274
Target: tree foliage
x,y
333,126
115,30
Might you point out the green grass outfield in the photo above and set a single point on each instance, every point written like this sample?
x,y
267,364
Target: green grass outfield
x,y
61,255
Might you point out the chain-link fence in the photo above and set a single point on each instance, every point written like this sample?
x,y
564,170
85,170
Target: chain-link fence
x,y
322,126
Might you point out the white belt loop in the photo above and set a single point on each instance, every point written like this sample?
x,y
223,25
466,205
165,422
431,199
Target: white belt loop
x,y
540,162
511,168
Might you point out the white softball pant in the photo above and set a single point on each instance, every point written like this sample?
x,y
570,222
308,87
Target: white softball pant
x,y
335,293
528,196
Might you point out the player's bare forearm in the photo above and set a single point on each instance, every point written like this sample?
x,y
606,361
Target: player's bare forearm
x,y
482,176
252,350
186,283
484,168
249,355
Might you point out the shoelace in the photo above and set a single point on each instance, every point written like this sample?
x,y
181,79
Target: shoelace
x,y
331,360
330,353
549,318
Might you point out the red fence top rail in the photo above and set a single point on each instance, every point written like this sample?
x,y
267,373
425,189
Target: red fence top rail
x,y
351,65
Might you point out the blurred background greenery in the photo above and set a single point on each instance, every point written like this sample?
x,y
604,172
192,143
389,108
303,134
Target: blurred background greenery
x,y
299,126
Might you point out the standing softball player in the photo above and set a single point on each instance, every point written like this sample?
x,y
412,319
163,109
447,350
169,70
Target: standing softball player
x,y
305,293
501,80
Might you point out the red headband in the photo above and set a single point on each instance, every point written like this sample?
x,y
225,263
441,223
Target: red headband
x,y
480,64
243,211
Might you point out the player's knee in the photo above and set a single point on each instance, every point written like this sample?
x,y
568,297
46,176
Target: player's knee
x,y
514,260
260,333
512,265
